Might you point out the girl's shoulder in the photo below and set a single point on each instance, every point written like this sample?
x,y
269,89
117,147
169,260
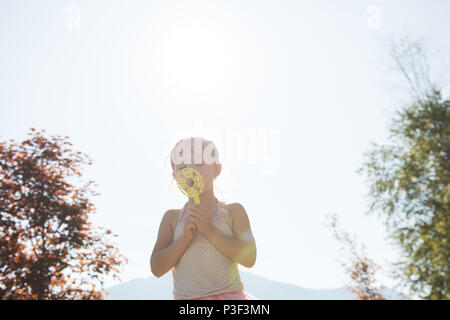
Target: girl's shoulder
x,y
233,206
233,209
174,214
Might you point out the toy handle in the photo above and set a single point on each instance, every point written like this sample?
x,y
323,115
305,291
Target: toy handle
x,y
196,200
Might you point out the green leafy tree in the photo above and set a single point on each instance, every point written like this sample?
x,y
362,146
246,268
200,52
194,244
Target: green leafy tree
x,y
409,180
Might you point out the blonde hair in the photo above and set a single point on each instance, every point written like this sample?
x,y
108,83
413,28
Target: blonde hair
x,y
191,141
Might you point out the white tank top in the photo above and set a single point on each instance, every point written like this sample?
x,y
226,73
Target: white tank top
x,y
203,270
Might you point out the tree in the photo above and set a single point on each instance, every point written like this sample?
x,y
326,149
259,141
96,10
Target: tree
x,y
409,180
357,264
48,247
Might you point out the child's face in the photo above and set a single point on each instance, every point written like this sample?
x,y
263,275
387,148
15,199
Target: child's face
x,y
207,171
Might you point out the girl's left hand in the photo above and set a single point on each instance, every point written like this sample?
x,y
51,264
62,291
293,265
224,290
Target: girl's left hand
x,y
202,219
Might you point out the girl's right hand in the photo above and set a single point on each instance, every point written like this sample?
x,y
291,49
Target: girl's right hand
x,y
189,230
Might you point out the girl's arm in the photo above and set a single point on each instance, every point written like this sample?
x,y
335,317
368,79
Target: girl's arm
x,y
166,254
242,247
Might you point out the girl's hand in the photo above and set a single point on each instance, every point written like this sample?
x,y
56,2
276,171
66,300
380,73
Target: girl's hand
x,y
189,230
202,219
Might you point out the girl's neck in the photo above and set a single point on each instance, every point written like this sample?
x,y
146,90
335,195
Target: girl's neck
x,y
207,199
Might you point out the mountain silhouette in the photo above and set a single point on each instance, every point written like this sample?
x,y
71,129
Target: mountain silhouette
x,y
153,288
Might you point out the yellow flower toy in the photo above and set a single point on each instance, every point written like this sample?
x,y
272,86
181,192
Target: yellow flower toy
x,y
190,183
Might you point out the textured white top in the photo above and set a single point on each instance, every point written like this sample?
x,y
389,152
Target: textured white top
x,y
202,269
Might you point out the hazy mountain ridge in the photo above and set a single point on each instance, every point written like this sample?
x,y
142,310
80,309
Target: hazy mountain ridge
x,y
153,288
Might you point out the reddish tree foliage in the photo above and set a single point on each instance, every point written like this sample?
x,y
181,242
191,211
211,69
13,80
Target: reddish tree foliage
x,y
357,265
48,248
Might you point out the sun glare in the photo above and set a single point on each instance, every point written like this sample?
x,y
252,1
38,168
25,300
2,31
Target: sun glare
x,y
192,64
196,62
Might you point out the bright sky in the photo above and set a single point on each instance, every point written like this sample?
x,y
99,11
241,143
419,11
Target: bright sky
x,y
126,82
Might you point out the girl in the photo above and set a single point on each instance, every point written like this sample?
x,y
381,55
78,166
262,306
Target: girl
x,y
203,243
